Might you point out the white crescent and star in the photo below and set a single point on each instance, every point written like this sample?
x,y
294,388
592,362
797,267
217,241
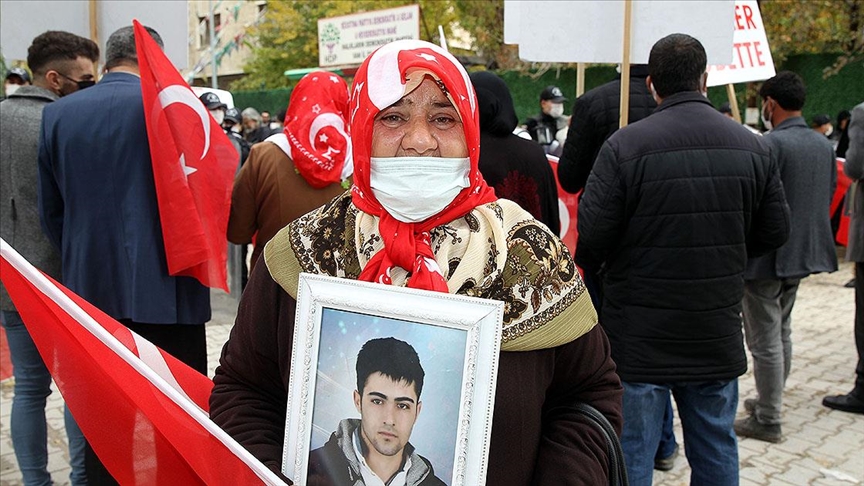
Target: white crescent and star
x,y
181,94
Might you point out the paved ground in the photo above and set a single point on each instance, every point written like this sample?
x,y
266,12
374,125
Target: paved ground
x,y
821,447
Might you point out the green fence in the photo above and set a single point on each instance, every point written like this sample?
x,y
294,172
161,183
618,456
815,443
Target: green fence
x,y
839,92
272,100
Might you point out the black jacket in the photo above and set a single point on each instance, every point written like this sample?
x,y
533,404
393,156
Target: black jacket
x,y
594,119
674,206
517,168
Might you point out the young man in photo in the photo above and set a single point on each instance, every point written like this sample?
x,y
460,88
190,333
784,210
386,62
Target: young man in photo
x,y
374,449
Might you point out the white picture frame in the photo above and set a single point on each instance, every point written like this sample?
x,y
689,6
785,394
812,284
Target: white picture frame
x,y
335,316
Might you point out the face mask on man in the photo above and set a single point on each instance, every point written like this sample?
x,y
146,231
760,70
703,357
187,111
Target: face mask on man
x,y
556,110
766,118
11,88
218,115
413,189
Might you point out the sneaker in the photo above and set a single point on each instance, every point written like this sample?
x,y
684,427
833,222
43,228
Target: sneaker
x,y
845,403
750,405
666,463
750,427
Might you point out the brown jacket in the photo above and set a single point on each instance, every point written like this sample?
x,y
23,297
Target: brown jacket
x,y
268,194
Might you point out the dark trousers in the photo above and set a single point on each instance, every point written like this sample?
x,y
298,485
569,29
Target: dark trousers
x,y
858,391
188,343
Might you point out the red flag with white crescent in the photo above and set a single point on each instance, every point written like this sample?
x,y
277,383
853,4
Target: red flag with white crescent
x,y
193,166
144,412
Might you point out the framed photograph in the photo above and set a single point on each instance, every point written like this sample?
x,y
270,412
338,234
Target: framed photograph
x,y
390,381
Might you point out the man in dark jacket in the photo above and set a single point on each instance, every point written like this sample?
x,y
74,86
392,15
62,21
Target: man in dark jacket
x,y
808,170
375,449
97,204
853,401
545,127
674,206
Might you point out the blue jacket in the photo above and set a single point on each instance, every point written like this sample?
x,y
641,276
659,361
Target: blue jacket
x,y
97,203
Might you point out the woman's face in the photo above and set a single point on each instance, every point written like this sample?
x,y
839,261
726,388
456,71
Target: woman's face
x,y
422,124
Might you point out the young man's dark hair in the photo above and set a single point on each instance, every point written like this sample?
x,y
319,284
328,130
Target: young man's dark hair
x,y
120,48
392,358
787,89
54,45
677,63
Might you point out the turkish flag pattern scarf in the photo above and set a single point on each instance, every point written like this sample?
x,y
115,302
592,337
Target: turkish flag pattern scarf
x,y
316,131
390,73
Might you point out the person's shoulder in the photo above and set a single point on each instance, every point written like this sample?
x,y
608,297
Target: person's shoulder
x,y
429,479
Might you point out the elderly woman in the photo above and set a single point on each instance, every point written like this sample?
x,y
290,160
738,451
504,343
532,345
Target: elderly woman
x,y
420,215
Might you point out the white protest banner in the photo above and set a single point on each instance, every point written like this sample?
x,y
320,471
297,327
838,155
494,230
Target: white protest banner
x,y
349,39
21,21
751,57
579,31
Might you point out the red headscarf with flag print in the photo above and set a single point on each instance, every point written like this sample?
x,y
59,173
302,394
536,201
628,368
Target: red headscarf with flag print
x,y
316,131
390,73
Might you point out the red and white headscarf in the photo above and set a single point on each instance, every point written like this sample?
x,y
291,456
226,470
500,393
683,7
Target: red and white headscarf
x,y
388,74
316,129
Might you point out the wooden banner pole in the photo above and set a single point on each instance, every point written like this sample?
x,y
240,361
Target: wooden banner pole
x,y
733,102
580,78
625,66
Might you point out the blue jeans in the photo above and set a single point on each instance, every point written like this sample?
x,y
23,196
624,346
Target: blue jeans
x,y
28,427
707,411
667,437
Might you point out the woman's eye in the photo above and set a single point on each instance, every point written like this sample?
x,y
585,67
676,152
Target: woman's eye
x,y
391,119
444,120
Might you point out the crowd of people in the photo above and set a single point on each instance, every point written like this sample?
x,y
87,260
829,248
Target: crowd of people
x,y
694,235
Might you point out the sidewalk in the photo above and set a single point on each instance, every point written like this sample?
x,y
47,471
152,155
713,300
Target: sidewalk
x,y
820,446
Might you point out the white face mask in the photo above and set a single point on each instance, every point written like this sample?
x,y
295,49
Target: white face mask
x,y
556,110
218,115
766,121
11,88
412,189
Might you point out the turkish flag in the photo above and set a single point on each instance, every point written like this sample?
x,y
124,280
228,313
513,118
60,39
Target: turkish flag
x,y
144,412
193,165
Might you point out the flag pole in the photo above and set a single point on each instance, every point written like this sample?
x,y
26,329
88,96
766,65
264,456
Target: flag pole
x,y
94,21
214,83
625,66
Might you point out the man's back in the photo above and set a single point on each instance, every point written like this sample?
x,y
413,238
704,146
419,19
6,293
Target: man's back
x,y
20,118
692,194
98,204
808,170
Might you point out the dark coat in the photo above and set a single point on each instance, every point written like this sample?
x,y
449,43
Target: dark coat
x,y
517,168
595,118
854,168
675,205
808,169
536,438
97,200
20,118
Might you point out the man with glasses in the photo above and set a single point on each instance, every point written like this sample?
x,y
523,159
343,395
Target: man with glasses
x,y
54,57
